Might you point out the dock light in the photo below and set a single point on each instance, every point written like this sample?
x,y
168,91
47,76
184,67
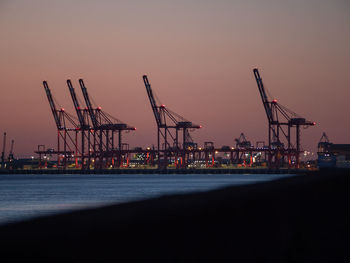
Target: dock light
x,y
200,126
232,148
314,123
62,109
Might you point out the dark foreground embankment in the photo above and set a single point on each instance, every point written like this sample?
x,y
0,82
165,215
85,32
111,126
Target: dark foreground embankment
x,y
297,219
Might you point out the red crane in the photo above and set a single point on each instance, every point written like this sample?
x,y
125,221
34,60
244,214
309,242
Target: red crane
x,y
279,119
169,124
106,125
62,119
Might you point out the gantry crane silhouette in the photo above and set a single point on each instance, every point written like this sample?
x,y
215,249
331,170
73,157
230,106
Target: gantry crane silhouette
x,y
170,128
65,124
104,126
281,120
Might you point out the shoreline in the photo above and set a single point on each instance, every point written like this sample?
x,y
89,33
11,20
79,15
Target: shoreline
x,y
163,171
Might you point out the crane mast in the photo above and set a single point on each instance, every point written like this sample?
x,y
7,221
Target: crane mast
x,y
52,105
157,116
154,106
266,103
76,105
268,106
88,104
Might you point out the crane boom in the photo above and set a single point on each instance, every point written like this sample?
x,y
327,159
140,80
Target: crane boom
x,y
88,104
263,95
52,105
152,101
76,104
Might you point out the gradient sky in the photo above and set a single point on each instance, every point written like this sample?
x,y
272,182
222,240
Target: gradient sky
x,y
199,57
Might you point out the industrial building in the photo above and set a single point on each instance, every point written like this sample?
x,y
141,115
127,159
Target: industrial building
x,y
332,155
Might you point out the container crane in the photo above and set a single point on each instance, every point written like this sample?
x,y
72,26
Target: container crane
x,y
168,121
106,125
279,118
62,119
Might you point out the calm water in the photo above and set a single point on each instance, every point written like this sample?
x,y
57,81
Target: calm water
x,y
27,196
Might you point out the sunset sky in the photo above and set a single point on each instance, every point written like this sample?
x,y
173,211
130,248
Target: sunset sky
x,y
198,55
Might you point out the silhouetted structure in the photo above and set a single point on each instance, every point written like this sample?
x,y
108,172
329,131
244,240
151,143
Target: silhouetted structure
x,y
169,125
67,133
279,119
94,138
3,151
332,155
104,128
95,132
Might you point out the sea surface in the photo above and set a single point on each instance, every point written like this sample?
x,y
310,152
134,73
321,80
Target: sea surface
x,y
28,196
